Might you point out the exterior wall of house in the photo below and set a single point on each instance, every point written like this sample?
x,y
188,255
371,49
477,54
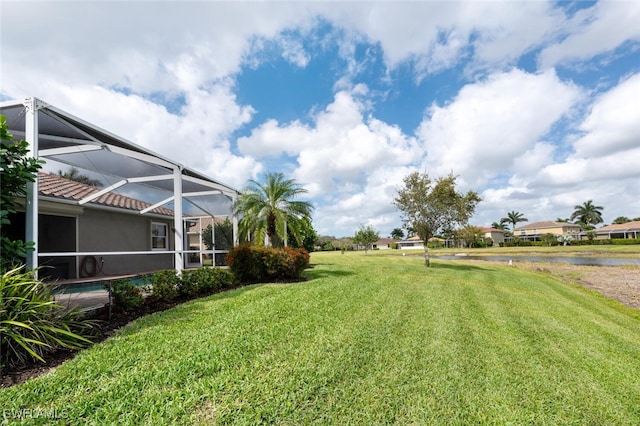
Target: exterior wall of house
x,y
559,230
403,245
104,231
496,237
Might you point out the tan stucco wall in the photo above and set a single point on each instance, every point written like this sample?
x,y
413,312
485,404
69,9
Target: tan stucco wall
x,y
565,230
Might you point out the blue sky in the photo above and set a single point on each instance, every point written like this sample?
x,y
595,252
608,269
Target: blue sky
x,y
533,104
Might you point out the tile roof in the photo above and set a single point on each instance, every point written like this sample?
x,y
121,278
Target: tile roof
x,y
629,226
486,229
386,241
56,186
546,224
204,222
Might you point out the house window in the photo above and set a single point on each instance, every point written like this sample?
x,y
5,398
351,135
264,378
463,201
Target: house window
x,y
523,232
159,236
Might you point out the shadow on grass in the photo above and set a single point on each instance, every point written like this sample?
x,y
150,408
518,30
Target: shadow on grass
x,y
313,274
455,265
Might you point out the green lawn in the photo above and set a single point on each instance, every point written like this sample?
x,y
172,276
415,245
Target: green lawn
x,y
368,340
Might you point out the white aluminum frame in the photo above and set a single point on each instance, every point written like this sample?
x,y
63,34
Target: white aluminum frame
x,y
174,171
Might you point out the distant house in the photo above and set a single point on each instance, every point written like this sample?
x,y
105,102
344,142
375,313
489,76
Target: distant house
x,y
195,229
496,235
619,230
535,230
384,243
410,243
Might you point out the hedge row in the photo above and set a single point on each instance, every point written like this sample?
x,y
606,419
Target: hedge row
x,y
247,264
167,286
252,264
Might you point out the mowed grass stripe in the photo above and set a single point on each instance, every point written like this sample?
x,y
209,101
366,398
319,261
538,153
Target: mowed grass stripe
x,y
369,339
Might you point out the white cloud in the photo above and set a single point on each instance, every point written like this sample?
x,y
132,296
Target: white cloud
x,y
490,124
602,167
613,124
352,161
165,80
438,35
599,29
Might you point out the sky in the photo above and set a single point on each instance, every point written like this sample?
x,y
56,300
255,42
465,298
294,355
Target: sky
x,y
535,105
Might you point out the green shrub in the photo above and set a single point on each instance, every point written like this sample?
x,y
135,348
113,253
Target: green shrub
x,y
188,284
223,277
32,323
204,281
165,284
623,241
126,296
251,264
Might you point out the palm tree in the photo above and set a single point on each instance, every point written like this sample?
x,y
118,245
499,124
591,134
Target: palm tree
x,y
588,215
621,219
268,209
397,234
513,218
500,225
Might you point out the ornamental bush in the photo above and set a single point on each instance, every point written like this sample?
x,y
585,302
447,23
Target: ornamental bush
x,y
165,284
126,296
32,323
204,281
253,264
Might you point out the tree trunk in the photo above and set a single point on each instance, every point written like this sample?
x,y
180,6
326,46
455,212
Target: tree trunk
x,y
426,256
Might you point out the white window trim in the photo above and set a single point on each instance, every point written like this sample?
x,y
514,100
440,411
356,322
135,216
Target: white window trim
x,y
166,236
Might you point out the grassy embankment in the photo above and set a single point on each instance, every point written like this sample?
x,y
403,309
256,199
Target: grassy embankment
x,y
369,339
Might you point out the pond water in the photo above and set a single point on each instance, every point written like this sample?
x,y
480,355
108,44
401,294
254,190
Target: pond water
x,y
597,261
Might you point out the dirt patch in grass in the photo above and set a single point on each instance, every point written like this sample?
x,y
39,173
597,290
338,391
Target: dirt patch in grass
x,y
621,283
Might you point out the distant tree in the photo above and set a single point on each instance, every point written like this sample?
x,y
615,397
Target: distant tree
x,y
344,243
308,236
472,236
587,214
16,170
514,218
500,225
549,239
565,239
365,236
561,220
430,207
635,219
621,219
397,233
223,235
270,209
75,175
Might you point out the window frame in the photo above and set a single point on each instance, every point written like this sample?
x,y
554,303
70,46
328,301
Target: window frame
x,y
154,238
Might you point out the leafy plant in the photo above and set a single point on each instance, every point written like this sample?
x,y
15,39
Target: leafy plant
x,y
165,284
205,280
189,283
253,264
366,236
32,323
270,210
430,207
126,295
16,170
